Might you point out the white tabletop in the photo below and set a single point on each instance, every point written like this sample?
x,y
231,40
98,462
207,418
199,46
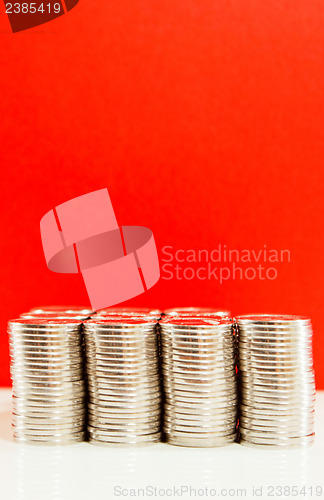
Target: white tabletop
x,y
84,471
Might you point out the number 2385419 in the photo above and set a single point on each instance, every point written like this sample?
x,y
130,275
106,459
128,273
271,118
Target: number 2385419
x,y
33,8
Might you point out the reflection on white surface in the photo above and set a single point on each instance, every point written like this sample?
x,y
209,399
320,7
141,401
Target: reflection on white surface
x,y
84,471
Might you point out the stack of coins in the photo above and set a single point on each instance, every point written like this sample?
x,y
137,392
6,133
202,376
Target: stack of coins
x,y
199,379
123,381
47,380
276,380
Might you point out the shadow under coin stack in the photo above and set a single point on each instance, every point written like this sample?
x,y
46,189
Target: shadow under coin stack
x,y
47,380
199,378
276,380
124,405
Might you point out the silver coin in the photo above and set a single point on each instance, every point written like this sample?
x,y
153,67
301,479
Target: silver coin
x,y
123,363
50,403
270,403
229,377
37,440
272,342
130,338
141,353
192,355
46,364
45,412
139,335
197,364
147,420
203,372
200,419
116,434
46,351
135,398
265,420
288,357
171,426
118,380
200,442
125,414
58,409
265,346
255,413
203,410
126,404
204,405
66,343
106,389
195,379
123,370
179,402
47,432
224,341
198,430
109,357
104,410
288,380
280,370
128,407
285,434
203,434
50,426
246,410
38,379
282,364
44,335
50,395
152,398
274,382
110,337
274,326
146,390
215,392
52,388
205,390
46,371
128,429
67,358
269,319
302,443
294,430
98,438
282,394
221,340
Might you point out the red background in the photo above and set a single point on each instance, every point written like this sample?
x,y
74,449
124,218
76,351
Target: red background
x,y
203,119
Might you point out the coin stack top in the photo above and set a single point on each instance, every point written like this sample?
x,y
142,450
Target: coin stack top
x,y
197,312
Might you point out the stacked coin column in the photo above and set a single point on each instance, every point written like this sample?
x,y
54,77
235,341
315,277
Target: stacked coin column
x,y
47,381
123,381
276,380
199,380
